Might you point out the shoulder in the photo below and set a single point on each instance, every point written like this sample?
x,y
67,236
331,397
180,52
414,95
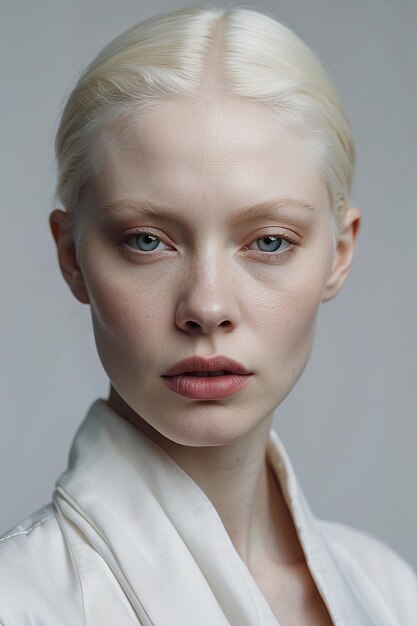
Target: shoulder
x,y
35,572
28,538
29,523
391,574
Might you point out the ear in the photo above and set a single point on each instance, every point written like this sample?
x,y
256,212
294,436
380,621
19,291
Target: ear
x,y
59,222
344,254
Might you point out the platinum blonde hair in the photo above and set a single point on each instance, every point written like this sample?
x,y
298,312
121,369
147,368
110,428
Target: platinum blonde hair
x,y
204,51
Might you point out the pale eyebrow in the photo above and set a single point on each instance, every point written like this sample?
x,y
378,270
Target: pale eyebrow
x,y
149,208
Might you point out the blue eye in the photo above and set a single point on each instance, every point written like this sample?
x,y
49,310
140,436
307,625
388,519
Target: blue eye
x,y
146,242
269,246
271,243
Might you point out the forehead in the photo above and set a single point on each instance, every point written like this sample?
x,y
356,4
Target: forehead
x,y
195,125
214,147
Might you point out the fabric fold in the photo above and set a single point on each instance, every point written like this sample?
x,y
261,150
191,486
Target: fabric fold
x,y
164,555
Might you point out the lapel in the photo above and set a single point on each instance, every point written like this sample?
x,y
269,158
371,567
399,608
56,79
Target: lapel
x,y
349,595
130,512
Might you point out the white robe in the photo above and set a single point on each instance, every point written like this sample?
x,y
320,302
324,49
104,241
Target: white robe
x,y
131,539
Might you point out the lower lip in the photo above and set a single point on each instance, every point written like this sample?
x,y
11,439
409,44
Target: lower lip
x,y
207,387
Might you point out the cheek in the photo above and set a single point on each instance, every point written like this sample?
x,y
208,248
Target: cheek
x,y
291,320
287,326
126,331
124,308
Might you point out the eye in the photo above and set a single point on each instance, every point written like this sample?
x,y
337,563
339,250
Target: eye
x,y
272,244
145,242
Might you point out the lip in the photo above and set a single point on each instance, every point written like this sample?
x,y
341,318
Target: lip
x,y
207,387
203,364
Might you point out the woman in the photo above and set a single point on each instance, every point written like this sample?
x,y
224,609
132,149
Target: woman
x,y
205,168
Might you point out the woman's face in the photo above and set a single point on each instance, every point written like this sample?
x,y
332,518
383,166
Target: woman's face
x,y
203,283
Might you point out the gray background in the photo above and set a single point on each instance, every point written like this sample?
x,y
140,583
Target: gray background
x,y
349,424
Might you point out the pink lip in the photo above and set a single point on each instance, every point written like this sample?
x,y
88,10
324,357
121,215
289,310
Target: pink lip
x,y
202,364
207,387
179,380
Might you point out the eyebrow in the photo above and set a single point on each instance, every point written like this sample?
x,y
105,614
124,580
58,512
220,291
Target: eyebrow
x,y
149,208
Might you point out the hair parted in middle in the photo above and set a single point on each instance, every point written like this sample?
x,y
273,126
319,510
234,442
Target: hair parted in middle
x,y
204,52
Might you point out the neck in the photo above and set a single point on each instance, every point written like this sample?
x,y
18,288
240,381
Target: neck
x,y
241,485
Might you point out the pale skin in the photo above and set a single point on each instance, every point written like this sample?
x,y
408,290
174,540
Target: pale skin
x,y
207,290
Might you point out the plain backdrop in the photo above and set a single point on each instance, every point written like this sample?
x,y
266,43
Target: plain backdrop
x,y
349,424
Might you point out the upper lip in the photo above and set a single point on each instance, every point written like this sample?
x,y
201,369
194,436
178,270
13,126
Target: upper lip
x,y
202,364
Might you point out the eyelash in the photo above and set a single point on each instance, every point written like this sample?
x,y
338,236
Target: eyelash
x,y
145,230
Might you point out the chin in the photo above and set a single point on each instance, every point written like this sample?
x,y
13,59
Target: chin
x,y
211,426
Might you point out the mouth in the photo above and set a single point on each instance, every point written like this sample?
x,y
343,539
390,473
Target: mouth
x,y
211,385
204,374
199,366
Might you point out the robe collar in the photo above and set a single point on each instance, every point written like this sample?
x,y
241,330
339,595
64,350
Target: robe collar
x,y
127,506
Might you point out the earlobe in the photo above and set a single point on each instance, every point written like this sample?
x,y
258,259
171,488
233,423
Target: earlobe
x,y
59,222
344,254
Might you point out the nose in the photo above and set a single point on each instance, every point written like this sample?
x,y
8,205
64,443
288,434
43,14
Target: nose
x,y
206,299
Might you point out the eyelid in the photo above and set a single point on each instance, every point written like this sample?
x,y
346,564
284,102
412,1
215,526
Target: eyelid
x,y
274,231
139,230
